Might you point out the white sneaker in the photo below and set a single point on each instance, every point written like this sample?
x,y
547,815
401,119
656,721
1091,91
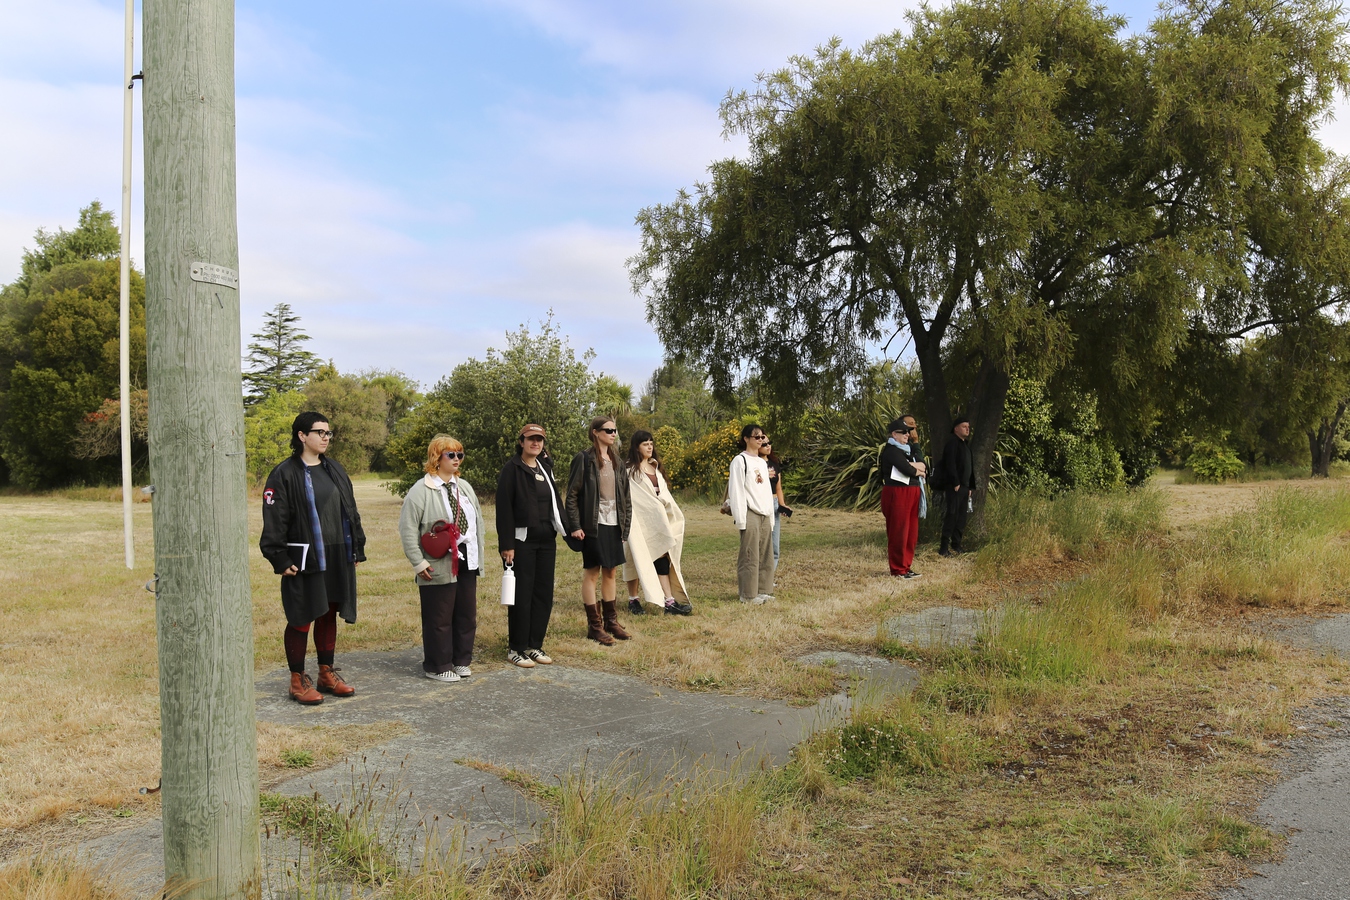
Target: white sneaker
x,y
446,677
541,657
462,671
764,598
523,661
757,601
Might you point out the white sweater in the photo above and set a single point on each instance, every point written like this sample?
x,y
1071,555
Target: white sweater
x,y
748,488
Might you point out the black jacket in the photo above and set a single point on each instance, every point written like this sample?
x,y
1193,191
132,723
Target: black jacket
x,y
958,466
286,514
583,496
893,457
516,506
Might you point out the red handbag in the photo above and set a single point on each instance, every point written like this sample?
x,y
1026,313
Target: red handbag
x,y
440,540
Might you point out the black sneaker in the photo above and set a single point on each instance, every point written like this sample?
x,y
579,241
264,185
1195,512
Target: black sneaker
x,y
913,575
635,607
946,552
676,608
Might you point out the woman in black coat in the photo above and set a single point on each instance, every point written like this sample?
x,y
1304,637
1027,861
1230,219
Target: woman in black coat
x,y
312,536
529,518
599,512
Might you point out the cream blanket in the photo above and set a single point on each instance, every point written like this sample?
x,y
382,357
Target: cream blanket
x,y
657,530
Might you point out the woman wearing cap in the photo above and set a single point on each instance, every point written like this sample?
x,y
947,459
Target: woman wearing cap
x,y
900,496
529,518
312,536
599,513
449,598
656,537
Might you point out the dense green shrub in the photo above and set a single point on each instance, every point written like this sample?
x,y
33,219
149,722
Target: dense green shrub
x,y
1212,461
704,465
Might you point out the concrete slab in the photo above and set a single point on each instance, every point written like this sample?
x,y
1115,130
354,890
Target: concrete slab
x,y
1329,635
939,626
877,677
1312,807
545,721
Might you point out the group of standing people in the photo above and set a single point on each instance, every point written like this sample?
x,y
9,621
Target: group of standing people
x,y
613,511
904,499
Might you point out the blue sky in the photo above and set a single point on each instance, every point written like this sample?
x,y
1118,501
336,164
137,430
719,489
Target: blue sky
x,y
415,178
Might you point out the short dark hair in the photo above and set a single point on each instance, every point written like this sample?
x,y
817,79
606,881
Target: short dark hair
x,y
304,422
749,430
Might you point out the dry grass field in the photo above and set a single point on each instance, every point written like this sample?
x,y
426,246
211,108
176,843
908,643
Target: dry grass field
x,y
1112,734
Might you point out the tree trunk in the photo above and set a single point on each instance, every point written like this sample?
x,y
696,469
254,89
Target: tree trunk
x,y
1322,442
196,436
935,395
987,400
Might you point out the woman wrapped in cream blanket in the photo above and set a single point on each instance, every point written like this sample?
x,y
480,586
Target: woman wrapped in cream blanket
x,y
656,537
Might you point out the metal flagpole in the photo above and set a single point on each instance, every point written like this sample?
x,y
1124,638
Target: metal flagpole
x,y
124,328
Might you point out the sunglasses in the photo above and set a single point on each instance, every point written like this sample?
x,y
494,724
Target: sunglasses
x,y
608,430
453,454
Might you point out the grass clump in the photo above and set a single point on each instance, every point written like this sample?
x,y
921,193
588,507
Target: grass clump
x,y
297,758
347,844
44,876
1023,525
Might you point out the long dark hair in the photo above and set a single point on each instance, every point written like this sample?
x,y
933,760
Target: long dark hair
x,y
596,424
747,431
639,438
304,422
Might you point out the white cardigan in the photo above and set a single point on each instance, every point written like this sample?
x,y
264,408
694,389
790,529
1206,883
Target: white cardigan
x,y
748,488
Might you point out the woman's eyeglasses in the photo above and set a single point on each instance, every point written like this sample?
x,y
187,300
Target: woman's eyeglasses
x,y
320,432
453,454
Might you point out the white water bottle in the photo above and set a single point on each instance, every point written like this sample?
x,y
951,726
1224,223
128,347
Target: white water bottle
x,y
509,585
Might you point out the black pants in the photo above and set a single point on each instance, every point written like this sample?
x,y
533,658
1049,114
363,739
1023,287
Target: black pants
x,y
954,516
527,621
449,622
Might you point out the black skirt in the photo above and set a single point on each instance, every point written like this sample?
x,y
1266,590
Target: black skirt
x,y
604,549
306,597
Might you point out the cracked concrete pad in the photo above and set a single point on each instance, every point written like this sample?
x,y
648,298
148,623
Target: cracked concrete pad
x,y
877,676
939,626
1313,808
1328,635
545,721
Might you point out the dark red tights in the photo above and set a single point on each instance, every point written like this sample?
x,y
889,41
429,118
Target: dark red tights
x,y
325,640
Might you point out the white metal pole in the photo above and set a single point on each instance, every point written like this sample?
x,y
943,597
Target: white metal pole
x,y
124,329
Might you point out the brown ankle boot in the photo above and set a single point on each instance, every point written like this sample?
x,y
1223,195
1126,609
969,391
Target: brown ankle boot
x,y
330,682
595,625
302,690
611,611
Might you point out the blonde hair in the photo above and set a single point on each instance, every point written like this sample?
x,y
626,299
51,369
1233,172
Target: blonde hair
x,y
439,444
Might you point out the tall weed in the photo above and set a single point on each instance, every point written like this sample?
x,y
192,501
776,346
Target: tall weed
x,y
45,876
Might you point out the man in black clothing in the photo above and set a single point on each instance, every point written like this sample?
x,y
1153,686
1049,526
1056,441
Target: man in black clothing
x,y
958,470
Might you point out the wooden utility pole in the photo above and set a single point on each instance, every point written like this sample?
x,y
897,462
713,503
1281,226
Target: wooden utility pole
x,y
196,437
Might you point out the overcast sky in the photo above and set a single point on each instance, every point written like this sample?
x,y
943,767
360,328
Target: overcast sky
x,y
415,178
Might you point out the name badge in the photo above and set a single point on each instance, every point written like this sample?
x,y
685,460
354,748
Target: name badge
x,y
539,478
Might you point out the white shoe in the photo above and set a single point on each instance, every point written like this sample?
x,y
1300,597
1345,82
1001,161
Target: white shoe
x,y
541,657
462,671
446,677
757,601
523,661
764,598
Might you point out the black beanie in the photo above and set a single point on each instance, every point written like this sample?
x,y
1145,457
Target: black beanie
x,y
960,420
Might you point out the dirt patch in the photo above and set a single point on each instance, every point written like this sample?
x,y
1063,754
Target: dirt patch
x,y
1190,504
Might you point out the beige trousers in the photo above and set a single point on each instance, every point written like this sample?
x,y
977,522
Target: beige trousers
x,y
754,565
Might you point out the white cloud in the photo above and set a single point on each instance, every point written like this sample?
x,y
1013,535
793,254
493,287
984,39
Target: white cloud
x,y
1336,132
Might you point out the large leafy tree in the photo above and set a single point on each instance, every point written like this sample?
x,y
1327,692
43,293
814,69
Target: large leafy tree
x,y
1010,186
278,362
59,351
537,377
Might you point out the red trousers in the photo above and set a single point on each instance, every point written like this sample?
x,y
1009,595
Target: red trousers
x,y
900,506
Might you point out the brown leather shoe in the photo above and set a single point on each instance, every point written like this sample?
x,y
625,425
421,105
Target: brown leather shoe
x,y
611,611
302,690
330,682
595,625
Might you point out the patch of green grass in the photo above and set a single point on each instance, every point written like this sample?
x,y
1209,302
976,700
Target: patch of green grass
x,y
1078,525
297,758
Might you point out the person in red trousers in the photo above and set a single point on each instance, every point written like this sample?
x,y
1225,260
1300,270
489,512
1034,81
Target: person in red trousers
x,y
901,494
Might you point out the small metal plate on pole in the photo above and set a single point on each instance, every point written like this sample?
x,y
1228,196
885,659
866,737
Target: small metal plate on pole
x,y
208,273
